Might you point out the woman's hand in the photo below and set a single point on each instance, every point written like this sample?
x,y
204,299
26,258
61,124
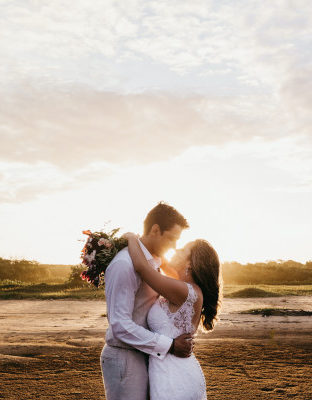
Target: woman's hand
x,y
135,251
130,235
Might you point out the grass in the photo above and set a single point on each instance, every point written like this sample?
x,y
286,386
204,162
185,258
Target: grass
x,y
249,291
15,290
45,291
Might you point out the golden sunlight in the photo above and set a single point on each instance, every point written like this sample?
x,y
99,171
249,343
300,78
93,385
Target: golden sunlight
x,y
169,254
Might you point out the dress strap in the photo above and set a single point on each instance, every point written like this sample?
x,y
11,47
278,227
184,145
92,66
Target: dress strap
x,y
192,294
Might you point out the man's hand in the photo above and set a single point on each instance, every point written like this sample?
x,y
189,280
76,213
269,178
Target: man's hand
x,y
182,346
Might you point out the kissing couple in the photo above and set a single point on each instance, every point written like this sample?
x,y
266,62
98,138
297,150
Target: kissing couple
x,y
154,315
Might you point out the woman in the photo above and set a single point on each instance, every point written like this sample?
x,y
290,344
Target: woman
x,y
190,295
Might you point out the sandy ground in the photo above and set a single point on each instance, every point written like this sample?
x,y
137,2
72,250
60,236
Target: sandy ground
x,y
50,350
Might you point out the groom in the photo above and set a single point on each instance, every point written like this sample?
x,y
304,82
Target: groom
x,y
124,358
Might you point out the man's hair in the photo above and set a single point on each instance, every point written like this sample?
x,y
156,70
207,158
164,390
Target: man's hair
x,y
165,216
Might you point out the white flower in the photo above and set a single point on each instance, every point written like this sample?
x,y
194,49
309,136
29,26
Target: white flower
x,y
90,257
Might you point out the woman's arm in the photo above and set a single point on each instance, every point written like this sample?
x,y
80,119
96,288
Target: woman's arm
x,y
172,289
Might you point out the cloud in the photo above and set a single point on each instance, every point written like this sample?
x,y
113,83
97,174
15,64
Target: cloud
x,y
296,93
70,129
137,82
20,182
68,42
204,46
66,135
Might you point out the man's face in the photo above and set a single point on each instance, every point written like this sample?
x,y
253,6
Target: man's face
x,y
167,240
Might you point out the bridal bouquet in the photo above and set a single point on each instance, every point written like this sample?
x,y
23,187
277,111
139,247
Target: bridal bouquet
x,y
98,251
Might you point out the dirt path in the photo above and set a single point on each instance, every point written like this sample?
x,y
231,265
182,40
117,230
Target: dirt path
x,y
50,350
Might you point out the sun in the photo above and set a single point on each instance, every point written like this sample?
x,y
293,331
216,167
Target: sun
x,y
169,254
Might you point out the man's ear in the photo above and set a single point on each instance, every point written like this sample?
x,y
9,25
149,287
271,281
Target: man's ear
x,y
155,230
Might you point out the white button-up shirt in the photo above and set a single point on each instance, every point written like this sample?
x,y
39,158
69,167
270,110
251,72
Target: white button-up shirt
x,y
128,301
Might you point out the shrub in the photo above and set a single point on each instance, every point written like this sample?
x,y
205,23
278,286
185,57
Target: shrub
x,y
74,279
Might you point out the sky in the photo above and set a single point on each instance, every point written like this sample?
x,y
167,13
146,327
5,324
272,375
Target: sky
x,y
109,107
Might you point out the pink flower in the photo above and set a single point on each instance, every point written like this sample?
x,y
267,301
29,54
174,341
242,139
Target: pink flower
x,y
104,242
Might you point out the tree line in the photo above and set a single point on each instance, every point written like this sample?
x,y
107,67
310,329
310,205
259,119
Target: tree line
x,y
271,272
33,272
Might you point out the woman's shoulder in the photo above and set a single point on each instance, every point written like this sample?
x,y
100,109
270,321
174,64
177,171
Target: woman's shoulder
x,y
195,292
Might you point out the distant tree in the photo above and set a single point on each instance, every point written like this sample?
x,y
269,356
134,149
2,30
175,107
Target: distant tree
x,y
309,263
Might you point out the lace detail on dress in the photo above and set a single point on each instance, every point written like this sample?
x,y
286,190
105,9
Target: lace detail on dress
x,y
172,377
182,318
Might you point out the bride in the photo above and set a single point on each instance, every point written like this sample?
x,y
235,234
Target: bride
x,y
190,294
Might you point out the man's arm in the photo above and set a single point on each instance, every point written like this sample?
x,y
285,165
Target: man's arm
x,y
121,286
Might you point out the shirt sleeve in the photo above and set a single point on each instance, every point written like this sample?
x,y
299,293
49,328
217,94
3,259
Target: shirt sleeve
x,y
121,285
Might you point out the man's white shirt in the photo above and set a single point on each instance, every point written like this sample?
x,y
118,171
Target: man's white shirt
x,y
128,301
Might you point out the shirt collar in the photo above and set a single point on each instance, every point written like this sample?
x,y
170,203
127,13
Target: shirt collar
x,y
148,255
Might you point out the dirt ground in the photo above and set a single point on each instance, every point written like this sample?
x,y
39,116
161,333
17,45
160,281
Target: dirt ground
x,y
50,350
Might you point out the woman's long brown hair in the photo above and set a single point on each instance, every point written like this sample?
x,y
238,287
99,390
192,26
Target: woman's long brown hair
x,y
206,272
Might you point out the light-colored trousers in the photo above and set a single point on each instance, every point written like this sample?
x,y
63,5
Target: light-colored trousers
x,y
125,373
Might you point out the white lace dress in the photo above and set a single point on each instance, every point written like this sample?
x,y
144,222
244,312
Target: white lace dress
x,y
175,378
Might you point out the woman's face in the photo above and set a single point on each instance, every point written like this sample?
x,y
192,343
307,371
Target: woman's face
x,y
181,259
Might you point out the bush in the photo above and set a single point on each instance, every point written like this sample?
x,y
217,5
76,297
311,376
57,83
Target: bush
x,y
74,279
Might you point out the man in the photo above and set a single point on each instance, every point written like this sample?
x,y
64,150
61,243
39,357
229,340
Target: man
x,y
124,358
